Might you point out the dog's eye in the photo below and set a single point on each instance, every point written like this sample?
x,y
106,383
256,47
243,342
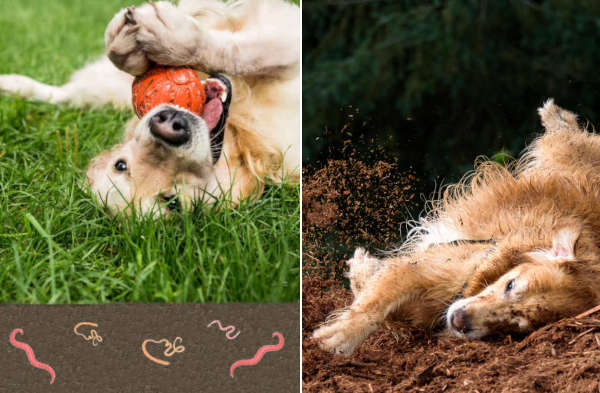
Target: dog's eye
x,y
121,166
509,286
172,202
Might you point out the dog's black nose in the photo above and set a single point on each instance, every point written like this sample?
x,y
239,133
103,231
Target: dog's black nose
x,y
460,320
171,126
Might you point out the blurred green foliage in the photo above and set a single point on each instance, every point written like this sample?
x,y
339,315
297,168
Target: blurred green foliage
x,y
441,82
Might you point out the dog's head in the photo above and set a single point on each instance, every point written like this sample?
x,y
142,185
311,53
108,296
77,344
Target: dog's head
x,y
518,291
166,160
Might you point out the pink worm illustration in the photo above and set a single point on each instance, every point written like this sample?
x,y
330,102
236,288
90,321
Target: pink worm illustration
x,y
259,354
30,355
229,329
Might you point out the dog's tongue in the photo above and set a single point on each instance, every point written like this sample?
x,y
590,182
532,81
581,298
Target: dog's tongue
x,y
212,112
216,93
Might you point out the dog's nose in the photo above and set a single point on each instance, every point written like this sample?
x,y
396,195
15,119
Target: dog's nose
x,y
460,320
171,126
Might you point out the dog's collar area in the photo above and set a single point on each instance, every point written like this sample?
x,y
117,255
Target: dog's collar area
x,y
459,242
471,241
461,293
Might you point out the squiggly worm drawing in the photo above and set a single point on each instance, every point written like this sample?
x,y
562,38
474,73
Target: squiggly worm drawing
x,y
30,355
94,336
259,354
171,349
229,329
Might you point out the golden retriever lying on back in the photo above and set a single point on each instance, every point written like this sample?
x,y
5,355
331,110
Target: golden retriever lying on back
x,y
171,157
506,250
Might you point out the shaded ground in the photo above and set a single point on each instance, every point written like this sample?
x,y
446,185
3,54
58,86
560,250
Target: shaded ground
x,y
342,210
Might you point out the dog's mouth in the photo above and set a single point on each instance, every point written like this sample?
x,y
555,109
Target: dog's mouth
x,y
175,126
218,96
217,90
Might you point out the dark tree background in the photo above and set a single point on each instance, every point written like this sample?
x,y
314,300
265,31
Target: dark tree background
x,y
442,82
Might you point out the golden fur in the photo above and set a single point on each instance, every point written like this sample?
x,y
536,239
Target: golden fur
x,y
507,249
255,43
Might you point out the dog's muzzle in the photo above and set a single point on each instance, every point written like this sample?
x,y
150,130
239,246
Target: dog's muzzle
x,y
174,127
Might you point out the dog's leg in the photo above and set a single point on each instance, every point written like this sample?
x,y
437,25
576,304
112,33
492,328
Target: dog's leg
x,y
393,285
556,119
267,42
565,146
397,286
418,288
362,269
26,87
96,84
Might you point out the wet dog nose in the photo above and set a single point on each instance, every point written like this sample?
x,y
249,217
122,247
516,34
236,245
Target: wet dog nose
x,y
171,126
460,320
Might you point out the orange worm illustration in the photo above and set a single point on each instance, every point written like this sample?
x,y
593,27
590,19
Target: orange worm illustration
x,y
94,336
170,349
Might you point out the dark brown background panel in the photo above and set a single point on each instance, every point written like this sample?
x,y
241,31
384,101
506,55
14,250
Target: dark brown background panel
x,y
118,364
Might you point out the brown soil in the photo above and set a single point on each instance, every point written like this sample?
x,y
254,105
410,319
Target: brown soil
x,y
340,211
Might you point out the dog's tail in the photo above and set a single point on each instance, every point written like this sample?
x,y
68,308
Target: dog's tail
x,y
96,84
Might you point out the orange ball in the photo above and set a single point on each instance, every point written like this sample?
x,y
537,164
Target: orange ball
x,y
168,85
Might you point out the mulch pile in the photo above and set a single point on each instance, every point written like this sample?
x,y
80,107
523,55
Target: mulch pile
x,y
344,207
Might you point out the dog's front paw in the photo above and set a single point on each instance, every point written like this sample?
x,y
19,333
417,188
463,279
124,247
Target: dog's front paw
x,y
121,43
362,268
167,35
154,32
343,334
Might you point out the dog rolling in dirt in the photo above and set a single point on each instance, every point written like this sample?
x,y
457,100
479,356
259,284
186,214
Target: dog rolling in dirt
x,y
506,250
172,157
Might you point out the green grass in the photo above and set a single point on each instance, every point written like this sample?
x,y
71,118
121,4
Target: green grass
x,y
58,246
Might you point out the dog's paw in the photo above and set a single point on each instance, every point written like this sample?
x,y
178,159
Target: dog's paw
x,y
359,254
154,32
362,267
25,87
167,35
13,84
121,43
555,118
360,258
343,334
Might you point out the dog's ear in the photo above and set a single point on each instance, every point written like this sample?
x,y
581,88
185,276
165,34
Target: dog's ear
x,y
563,246
564,241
